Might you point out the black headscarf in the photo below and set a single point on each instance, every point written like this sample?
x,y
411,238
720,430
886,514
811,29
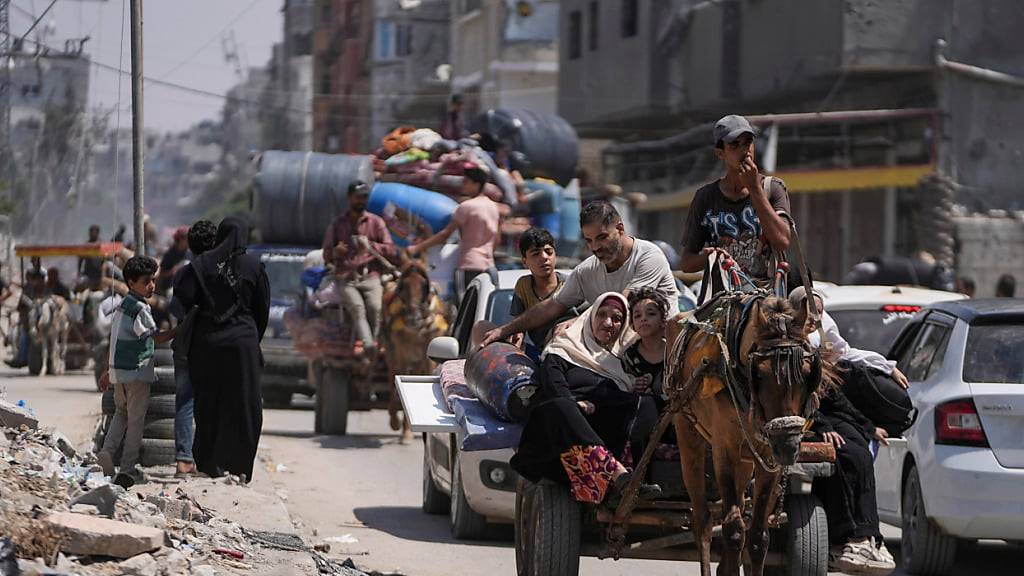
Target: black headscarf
x,y
232,239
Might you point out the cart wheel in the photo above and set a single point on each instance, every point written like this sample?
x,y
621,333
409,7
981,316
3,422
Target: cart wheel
x,y
804,538
35,359
552,528
332,397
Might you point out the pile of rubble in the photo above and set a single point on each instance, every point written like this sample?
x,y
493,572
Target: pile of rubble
x,y
60,516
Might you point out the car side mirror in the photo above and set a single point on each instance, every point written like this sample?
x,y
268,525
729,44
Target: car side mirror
x,y
443,348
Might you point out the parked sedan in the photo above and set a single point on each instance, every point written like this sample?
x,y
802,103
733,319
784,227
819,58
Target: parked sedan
x,y
958,472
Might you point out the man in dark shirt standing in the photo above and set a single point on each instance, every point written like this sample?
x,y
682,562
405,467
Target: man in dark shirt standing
x,y
176,255
744,214
358,270
55,286
92,267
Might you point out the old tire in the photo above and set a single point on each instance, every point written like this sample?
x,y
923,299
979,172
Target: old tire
x,y
466,524
553,530
804,538
434,501
332,402
162,429
156,452
926,550
163,357
35,359
160,406
165,383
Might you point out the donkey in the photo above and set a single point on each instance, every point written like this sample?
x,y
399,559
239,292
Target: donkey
x,y
413,316
49,324
748,382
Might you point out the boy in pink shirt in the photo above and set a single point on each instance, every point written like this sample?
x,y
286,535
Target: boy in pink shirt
x,y
476,220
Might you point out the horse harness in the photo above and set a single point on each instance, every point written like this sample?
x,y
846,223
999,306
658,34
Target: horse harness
x,y
723,317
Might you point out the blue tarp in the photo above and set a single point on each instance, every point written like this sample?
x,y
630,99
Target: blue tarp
x,y
480,429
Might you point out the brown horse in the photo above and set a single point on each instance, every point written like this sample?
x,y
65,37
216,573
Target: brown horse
x,y
413,316
743,379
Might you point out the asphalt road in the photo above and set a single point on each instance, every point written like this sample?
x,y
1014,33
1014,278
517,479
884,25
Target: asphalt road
x,y
367,486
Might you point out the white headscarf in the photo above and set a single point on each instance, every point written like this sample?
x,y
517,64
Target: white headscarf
x,y
578,346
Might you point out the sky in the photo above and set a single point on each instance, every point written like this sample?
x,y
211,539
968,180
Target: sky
x,y
182,43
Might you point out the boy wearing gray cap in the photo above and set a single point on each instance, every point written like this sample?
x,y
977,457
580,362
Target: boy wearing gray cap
x,y
744,214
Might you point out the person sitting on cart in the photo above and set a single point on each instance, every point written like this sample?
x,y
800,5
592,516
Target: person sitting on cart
x,y
744,214
54,286
347,245
578,420
537,247
620,263
849,496
645,360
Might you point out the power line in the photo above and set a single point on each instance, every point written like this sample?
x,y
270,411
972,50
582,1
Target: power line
x,y
213,38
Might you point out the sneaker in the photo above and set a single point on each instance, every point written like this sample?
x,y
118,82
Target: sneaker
x,y
860,558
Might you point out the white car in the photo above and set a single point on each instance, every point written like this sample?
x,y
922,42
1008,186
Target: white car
x,y
958,471
870,317
474,487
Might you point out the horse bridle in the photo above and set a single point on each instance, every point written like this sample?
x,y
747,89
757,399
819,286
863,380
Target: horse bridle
x,y
790,353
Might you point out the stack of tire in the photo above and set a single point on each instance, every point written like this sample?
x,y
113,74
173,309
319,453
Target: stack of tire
x,y
158,434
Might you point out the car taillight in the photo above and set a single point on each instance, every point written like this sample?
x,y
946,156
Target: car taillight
x,y
900,308
957,423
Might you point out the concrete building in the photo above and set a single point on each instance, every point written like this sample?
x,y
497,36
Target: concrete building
x,y
342,32
652,75
410,46
288,101
504,54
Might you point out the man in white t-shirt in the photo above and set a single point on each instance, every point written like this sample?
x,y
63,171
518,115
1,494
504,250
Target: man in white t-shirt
x,y
620,263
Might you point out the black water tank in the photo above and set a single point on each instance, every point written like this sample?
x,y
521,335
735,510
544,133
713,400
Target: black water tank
x,y
548,141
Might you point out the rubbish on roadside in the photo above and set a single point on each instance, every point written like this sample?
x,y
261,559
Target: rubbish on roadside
x,y
322,547
8,558
227,552
281,468
343,539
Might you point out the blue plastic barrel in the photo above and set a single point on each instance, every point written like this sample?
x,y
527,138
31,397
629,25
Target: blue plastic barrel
x,y
569,240
410,212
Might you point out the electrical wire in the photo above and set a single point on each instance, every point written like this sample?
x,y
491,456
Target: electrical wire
x,y
213,38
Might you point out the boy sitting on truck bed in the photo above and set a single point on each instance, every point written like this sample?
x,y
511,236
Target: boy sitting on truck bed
x,y
537,247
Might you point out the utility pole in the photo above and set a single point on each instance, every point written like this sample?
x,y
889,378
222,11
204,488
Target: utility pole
x,y
138,138
6,162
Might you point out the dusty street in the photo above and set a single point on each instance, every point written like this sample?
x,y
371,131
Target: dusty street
x,y
367,486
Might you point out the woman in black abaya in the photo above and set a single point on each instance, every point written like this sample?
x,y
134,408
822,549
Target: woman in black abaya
x,y
231,289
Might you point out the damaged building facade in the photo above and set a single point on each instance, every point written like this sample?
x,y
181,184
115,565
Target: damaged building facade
x,y
854,177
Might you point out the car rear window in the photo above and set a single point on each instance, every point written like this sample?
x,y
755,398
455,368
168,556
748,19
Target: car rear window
x,y
874,330
993,354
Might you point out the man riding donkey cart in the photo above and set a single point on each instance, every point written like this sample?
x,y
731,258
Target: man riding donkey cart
x,y
405,318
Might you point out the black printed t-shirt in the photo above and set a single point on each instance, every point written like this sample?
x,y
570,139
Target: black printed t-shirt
x,y
716,221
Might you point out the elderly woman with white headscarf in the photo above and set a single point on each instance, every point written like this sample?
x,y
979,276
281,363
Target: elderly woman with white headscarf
x,y
579,418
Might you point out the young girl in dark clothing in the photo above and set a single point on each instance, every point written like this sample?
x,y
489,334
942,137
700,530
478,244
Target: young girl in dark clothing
x,y
645,359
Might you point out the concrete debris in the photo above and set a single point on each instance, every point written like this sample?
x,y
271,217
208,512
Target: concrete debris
x,y
56,501
103,498
141,565
12,416
172,508
90,536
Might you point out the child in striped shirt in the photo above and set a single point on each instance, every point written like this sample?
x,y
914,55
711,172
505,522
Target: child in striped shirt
x,y
133,336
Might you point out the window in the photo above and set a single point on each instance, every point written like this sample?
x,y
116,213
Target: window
x,y
630,18
463,327
929,348
595,23
874,330
993,354
470,5
393,40
325,11
575,34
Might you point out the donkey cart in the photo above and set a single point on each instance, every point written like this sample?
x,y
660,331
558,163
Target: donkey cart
x,y
552,530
